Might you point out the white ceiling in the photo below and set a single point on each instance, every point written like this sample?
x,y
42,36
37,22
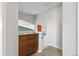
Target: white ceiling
x,y
35,8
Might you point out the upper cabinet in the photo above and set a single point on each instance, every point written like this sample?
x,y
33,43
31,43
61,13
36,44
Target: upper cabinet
x,y
26,24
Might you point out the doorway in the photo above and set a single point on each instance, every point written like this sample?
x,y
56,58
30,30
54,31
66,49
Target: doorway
x,y
49,16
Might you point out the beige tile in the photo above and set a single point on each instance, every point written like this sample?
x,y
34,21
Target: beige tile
x,y
49,51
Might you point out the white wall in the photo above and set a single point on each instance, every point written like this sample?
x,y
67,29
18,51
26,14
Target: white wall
x,y
51,19
69,29
78,29
11,28
54,27
0,29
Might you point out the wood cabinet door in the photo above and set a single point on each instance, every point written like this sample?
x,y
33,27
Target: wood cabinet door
x,y
28,44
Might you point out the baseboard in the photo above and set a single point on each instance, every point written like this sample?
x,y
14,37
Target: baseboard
x,y
55,47
39,51
58,47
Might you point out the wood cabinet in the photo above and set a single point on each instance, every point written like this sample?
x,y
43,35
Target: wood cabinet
x,y
28,44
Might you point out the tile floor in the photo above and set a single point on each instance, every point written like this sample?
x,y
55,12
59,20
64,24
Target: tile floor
x,y
49,51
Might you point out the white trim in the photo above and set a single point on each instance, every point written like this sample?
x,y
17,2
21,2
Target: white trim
x,y
0,29
58,47
39,51
54,46
78,28
4,30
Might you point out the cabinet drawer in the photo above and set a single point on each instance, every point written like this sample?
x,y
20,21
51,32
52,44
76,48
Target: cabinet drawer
x,y
22,51
30,49
22,36
32,45
32,42
28,44
30,36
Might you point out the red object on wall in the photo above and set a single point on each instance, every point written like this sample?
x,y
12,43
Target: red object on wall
x,y
39,28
